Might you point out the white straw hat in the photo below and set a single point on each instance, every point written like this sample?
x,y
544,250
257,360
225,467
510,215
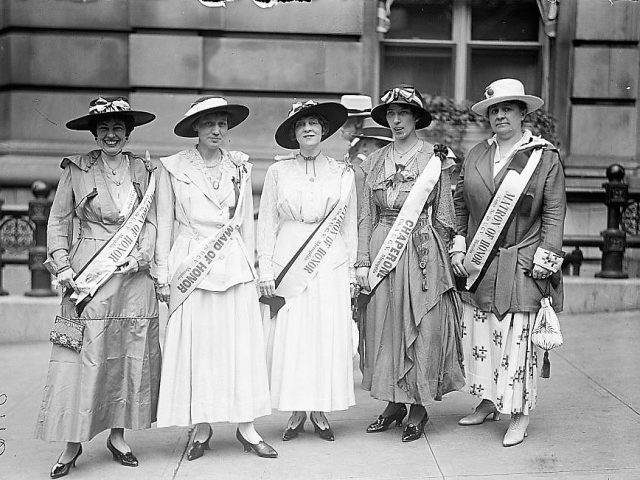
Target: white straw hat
x,y
504,90
357,105
236,114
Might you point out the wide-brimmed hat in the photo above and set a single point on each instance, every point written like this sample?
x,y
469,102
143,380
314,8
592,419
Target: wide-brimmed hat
x,y
505,90
402,95
236,114
357,105
370,129
333,112
103,107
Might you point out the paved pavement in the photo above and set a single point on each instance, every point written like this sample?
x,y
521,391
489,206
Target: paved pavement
x,y
586,426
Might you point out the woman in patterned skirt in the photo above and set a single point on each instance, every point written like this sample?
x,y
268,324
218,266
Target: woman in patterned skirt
x,y
509,279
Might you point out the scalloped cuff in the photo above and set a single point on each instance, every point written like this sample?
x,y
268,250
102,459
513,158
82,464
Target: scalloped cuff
x,y
459,244
362,262
547,259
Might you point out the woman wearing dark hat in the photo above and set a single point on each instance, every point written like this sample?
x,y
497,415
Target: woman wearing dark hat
x,y
310,197
413,349
214,367
112,381
509,265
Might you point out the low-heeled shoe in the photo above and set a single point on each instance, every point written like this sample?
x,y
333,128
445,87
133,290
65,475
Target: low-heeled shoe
x,y
383,423
127,459
323,433
61,469
197,448
291,433
413,432
262,448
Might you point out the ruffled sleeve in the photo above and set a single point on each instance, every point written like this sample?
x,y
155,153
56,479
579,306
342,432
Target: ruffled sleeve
x,y
268,221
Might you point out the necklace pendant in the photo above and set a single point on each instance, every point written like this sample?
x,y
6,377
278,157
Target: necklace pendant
x,y
312,179
216,184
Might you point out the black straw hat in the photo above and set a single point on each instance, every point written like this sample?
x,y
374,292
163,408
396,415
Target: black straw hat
x,y
103,107
335,114
402,95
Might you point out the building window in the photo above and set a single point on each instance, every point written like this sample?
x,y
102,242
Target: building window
x,y
457,47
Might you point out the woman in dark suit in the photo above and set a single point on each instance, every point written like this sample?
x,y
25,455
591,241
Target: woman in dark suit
x,y
508,259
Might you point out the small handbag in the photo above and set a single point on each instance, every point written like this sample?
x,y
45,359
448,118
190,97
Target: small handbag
x,y
68,333
546,332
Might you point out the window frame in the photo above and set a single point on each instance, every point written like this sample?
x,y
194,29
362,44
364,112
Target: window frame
x,y
462,45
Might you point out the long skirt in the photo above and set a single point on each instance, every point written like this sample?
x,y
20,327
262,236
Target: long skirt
x,y
214,367
500,360
413,351
310,347
113,382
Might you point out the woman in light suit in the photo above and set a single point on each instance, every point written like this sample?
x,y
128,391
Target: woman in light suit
x,y
214,366
500,360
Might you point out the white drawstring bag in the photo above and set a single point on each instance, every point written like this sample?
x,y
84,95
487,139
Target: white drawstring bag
x,y
546,332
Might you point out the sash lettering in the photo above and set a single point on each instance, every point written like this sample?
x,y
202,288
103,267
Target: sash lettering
x,y
396,241
497,217
306,265
103,264
193,270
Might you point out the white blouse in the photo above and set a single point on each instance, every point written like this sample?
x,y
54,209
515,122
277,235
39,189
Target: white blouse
x,y
293,202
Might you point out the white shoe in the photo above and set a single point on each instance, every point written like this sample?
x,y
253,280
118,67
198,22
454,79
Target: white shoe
x,y
517,430
483,410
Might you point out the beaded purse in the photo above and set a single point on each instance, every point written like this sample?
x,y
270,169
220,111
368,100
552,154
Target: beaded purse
x,y
68,333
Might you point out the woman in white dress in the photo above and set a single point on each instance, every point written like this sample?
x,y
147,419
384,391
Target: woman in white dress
x,y
214,367
309,348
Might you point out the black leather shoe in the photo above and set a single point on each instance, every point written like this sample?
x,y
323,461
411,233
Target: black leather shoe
x,y
127,459
413,432
61,469
196,449
323,433
262,448
291,433
383,423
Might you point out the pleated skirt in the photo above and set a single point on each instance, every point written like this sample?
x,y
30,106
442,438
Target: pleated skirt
x,y
309,346
214,365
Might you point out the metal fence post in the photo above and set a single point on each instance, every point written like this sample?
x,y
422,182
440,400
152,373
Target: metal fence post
x,y
615,239
2,290
39,209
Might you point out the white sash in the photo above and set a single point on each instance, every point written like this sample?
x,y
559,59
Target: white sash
x,y
305,267
389,254
130,203
103,264
498,213
197,266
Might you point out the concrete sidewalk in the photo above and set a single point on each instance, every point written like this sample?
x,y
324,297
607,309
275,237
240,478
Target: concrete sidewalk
x,y
586,426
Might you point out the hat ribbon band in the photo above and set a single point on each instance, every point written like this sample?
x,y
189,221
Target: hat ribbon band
x,y
296,107
397,93
105,106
